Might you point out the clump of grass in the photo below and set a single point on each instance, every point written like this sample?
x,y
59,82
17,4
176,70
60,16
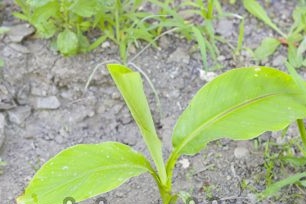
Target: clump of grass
x,y
124,22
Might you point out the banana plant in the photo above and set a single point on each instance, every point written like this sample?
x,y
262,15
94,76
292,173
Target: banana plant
x,y
240,104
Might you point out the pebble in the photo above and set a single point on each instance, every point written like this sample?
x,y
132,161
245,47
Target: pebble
x,y
59,139
207,76
106,44
2,124
278,61
179,55
50,102
185,163
225,27
19,114
18,32
221,58
164,42
241,152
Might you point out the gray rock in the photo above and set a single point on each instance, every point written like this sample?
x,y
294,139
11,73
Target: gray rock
x,y
225,27
19,48
19,114
6,100
164,42
241,152
50,102
18,32
106,44
221,58
2,124
207,76
179,55
278,61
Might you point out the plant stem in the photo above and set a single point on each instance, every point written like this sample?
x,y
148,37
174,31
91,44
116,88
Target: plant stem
x,y
302,130
170,166
210,9
165,192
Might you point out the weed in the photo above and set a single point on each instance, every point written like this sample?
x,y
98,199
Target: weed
x,y
2,164
2,31
239,105
125,23
286,157
295,40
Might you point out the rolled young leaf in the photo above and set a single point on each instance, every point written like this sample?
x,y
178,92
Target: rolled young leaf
x,y
130,85
84,171
240,104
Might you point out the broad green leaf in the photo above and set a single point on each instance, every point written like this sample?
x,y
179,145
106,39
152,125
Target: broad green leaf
x,y
84,8
267,48
130,85
67,42
256,9
240,105
276,187
84,171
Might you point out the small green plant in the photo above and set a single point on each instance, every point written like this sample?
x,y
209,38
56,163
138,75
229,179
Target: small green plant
x,y
125,23
67,22
2,31
2,164
194,21
239,104
295,40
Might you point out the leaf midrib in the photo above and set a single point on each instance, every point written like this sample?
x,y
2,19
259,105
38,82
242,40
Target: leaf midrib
x,y
220,116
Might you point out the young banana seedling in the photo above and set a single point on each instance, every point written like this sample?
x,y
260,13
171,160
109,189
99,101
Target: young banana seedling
x,y
239,104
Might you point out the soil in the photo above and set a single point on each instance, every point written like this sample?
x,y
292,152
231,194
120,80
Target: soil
x,y
46,109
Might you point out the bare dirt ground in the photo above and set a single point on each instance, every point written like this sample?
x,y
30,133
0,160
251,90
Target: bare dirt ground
x,y
45,109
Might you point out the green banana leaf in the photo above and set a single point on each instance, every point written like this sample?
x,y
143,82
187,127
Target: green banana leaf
x,y
84,171
240,105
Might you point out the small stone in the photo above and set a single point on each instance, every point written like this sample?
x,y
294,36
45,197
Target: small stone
x,y
59,139
132,49
241,152
225,27
19,114
179,55
185,163
278,61
221,58
50,102
207,76
116,95
164,42
106,44
2,124
18,32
